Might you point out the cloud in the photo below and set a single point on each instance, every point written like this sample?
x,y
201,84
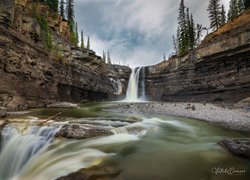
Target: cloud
x,y
136,32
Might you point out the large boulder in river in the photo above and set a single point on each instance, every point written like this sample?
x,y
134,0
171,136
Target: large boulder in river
x,y
75,131
238,147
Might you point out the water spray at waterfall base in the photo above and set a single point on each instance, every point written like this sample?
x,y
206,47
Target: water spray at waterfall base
x,y
136,86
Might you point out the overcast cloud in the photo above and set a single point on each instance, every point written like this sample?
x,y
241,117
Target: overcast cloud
x,y
136,32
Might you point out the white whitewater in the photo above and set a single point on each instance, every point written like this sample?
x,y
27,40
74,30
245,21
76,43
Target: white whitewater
x,y
18,149
35,154
133,94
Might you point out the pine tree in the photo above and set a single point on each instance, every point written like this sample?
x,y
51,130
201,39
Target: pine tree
x,y
241,6
104,56
53,4
88,43
62,14
108,58
175,45
164,57
82,40
223,15
192,32
178,37
214,10
70,13
188,28
76,33
247,4
233,10
183,40
198,33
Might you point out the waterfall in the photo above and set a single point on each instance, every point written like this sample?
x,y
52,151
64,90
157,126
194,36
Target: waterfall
x,y
133,94
18,149
143,94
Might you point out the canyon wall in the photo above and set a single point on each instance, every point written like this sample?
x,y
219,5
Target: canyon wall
x,y
33,76
216,71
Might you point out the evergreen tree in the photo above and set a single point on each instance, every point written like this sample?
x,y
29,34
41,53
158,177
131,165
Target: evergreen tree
x,y
175,45
223,15
70,13
88,43
214,10
62,14
53,4
183,40
164,57
178,41
192,33
241,6
82,40
198,34
188,28
108,58
76,33
247,4
233,10
104,56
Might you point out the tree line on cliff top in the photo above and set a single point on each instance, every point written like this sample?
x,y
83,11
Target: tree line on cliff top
x,y
189,34
65,8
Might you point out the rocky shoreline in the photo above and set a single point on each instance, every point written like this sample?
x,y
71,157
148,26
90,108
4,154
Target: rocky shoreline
x,y
221,115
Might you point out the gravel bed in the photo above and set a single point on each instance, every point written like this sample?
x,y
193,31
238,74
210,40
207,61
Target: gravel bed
x,y
237,119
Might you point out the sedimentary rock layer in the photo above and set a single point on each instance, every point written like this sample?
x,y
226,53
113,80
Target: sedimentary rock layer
x,y
32,75
216,71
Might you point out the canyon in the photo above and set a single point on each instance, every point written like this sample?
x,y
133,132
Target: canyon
x,y
31,76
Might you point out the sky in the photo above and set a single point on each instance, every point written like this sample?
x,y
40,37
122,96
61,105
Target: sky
x,y
135,32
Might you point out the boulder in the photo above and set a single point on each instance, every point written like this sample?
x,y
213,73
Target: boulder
x,y
245,103
3,112
75,131
239,147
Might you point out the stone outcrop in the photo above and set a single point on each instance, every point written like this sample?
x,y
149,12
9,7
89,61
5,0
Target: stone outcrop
x,y
216,71
238,147
3,112
76,131
33,76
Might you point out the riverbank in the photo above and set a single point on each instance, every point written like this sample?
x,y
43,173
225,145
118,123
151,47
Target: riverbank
x,y
225,116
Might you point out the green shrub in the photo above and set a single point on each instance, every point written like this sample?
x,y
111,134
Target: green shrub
x,y
45,32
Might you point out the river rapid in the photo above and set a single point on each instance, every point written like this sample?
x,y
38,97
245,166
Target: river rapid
x,y
141,147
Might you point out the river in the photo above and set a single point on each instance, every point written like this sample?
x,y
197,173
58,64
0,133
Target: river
x,y
153,147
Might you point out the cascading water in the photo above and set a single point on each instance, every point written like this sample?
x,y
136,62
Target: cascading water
x,y
34,153
18,149
133,94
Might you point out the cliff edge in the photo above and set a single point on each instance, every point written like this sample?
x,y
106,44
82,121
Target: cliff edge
x,y
31,75
218,70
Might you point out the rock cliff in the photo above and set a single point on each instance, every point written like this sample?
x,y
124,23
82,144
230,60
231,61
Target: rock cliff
x,y
216,71
33,76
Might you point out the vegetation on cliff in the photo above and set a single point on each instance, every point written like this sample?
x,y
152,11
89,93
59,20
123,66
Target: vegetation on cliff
x,y
188,34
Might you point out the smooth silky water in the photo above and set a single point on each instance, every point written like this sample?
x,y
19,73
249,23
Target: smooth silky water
x,y
167,147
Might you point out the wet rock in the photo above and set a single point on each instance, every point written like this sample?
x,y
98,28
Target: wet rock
x,y
3,123
245,103
3,112
238,147
62,105
75,131
96,172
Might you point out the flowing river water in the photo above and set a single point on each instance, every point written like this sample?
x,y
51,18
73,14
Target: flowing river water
x,y
153,147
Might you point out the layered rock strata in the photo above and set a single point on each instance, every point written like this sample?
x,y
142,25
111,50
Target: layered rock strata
x,y
216,71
